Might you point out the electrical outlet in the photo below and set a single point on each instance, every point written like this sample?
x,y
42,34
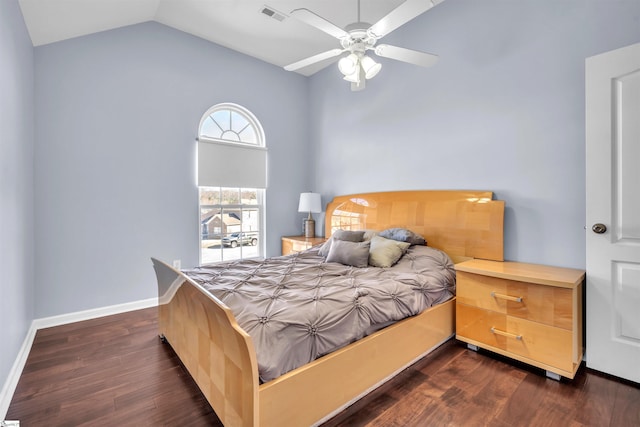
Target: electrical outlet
x,y
176,264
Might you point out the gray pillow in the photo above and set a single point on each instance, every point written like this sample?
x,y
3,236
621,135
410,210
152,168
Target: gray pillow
x,y
403,235
348,235
345,235
349,253
324,249
386,252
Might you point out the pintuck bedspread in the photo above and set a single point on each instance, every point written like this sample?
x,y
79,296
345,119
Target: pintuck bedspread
x,y
298,308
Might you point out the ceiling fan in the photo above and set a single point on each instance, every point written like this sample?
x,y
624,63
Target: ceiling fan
x,y
360,37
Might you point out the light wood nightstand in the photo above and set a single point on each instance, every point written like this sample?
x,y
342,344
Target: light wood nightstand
x,y
529,312
292,244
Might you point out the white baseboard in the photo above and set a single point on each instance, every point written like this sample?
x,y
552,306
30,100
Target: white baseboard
x,y
11,383
9,387
79,316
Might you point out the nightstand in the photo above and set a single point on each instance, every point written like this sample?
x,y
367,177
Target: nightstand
x,y
528,312
292,244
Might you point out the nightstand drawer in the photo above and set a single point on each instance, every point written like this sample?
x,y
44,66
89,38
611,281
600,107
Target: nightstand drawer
x,y
299,246
539,303
531,340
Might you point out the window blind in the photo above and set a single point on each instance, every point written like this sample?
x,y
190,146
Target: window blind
x,y
231,165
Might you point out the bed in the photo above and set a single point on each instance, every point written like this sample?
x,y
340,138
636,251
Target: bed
x,y
221,356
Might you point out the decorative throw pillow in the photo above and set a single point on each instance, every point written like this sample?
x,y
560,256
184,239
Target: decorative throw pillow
x,y
403,235
345,235
386,252
324,249
349,253
348,235
368,234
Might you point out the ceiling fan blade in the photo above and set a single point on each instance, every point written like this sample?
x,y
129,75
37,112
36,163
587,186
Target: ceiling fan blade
x,y
401,15
406,55
308,17
313,59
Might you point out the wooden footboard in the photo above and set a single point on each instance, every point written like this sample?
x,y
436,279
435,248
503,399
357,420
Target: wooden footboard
x,y
218,354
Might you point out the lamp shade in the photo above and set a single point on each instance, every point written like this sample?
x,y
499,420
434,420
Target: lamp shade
x,y
310,202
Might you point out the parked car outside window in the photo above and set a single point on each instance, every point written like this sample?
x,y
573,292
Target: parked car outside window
x,y
236,239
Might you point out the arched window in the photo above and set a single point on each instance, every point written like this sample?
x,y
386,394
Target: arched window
x,y
232,169
231,123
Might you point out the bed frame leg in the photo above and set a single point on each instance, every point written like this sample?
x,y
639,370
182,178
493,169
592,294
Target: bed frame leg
x,y
553,375
163,339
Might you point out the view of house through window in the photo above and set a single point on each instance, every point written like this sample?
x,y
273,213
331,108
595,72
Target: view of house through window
x,y
230,223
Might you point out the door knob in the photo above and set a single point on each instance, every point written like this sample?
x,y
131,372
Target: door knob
x,y
599,228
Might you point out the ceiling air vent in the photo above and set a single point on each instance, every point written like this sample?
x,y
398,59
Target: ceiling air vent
x,y
272,13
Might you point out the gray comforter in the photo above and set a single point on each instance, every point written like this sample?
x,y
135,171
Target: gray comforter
x,y
299,307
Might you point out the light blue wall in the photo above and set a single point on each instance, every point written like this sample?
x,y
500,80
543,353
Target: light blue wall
x,y
503,110
16,185
117,117
117,114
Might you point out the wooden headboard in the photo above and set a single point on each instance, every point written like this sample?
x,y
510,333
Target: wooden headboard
x,y
464,224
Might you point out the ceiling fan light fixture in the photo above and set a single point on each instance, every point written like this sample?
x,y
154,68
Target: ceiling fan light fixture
x,y
349,64
360,37
353,77
370,67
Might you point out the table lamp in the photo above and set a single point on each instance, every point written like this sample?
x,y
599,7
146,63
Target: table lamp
x,y
310,202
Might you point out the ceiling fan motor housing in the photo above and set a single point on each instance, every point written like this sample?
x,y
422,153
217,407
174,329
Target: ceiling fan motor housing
x,y
359,39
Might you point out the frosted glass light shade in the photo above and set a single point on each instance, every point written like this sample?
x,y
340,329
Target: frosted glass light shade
x,y
353,77
348,64
370,67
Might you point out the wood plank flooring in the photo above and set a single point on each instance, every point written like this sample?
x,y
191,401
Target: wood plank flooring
x,y
114,371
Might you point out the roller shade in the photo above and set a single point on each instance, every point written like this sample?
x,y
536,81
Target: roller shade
x,y
231,165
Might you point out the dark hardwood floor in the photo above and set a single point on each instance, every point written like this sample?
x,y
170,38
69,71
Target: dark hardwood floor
x,y
114,371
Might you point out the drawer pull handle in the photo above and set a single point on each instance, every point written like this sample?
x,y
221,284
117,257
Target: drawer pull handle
x,y
505,334
507,297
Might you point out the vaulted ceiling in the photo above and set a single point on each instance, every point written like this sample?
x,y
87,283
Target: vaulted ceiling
x,y
260,28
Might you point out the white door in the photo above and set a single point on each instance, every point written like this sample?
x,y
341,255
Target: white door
x,y
613,212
